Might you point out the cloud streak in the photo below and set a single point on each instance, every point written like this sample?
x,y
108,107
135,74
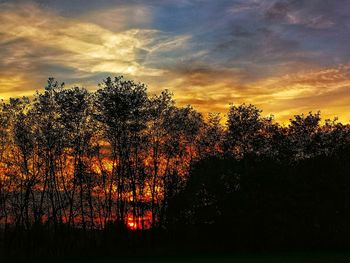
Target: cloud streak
x,y
286,56
31,37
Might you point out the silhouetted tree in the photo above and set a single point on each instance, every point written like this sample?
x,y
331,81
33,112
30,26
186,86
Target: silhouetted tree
x,y
78,161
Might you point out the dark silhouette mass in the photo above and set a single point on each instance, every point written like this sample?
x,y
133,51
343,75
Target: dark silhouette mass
x,y
118,171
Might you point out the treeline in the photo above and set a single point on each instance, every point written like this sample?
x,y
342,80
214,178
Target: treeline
x,y
70,156
121,156
267,186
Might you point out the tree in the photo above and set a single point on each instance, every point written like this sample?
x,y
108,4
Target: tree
x,y
303,131
49,136
122,108
246,130
75,108
212,136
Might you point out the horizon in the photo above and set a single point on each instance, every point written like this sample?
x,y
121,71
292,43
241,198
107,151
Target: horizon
x,y
223,115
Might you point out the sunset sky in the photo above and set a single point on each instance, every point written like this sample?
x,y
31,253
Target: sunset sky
x,y
285,56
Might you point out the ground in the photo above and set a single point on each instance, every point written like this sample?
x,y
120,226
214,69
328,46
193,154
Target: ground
x,y
242,258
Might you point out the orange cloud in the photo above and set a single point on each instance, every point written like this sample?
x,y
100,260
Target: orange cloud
x,y
326,89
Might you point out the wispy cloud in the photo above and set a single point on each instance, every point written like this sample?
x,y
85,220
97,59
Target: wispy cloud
x,y
286,56
325,89
32,37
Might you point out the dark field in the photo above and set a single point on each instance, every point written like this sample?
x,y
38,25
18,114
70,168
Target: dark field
x,y
239,258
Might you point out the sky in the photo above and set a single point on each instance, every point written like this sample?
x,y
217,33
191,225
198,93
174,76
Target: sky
x,y
285,56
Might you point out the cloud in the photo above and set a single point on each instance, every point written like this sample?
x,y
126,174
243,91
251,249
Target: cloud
x,y
121,17
32,37
314,14
84,46
278,11
285,56
325,89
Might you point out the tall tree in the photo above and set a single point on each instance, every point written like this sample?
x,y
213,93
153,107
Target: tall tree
x,y
122,108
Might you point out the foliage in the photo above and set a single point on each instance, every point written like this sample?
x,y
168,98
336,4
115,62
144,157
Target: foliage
x,y
121,157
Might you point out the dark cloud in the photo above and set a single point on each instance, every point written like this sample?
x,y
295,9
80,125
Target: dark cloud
x,y
278,11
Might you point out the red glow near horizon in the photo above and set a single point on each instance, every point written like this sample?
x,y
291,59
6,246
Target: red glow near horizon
x,y
139,223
